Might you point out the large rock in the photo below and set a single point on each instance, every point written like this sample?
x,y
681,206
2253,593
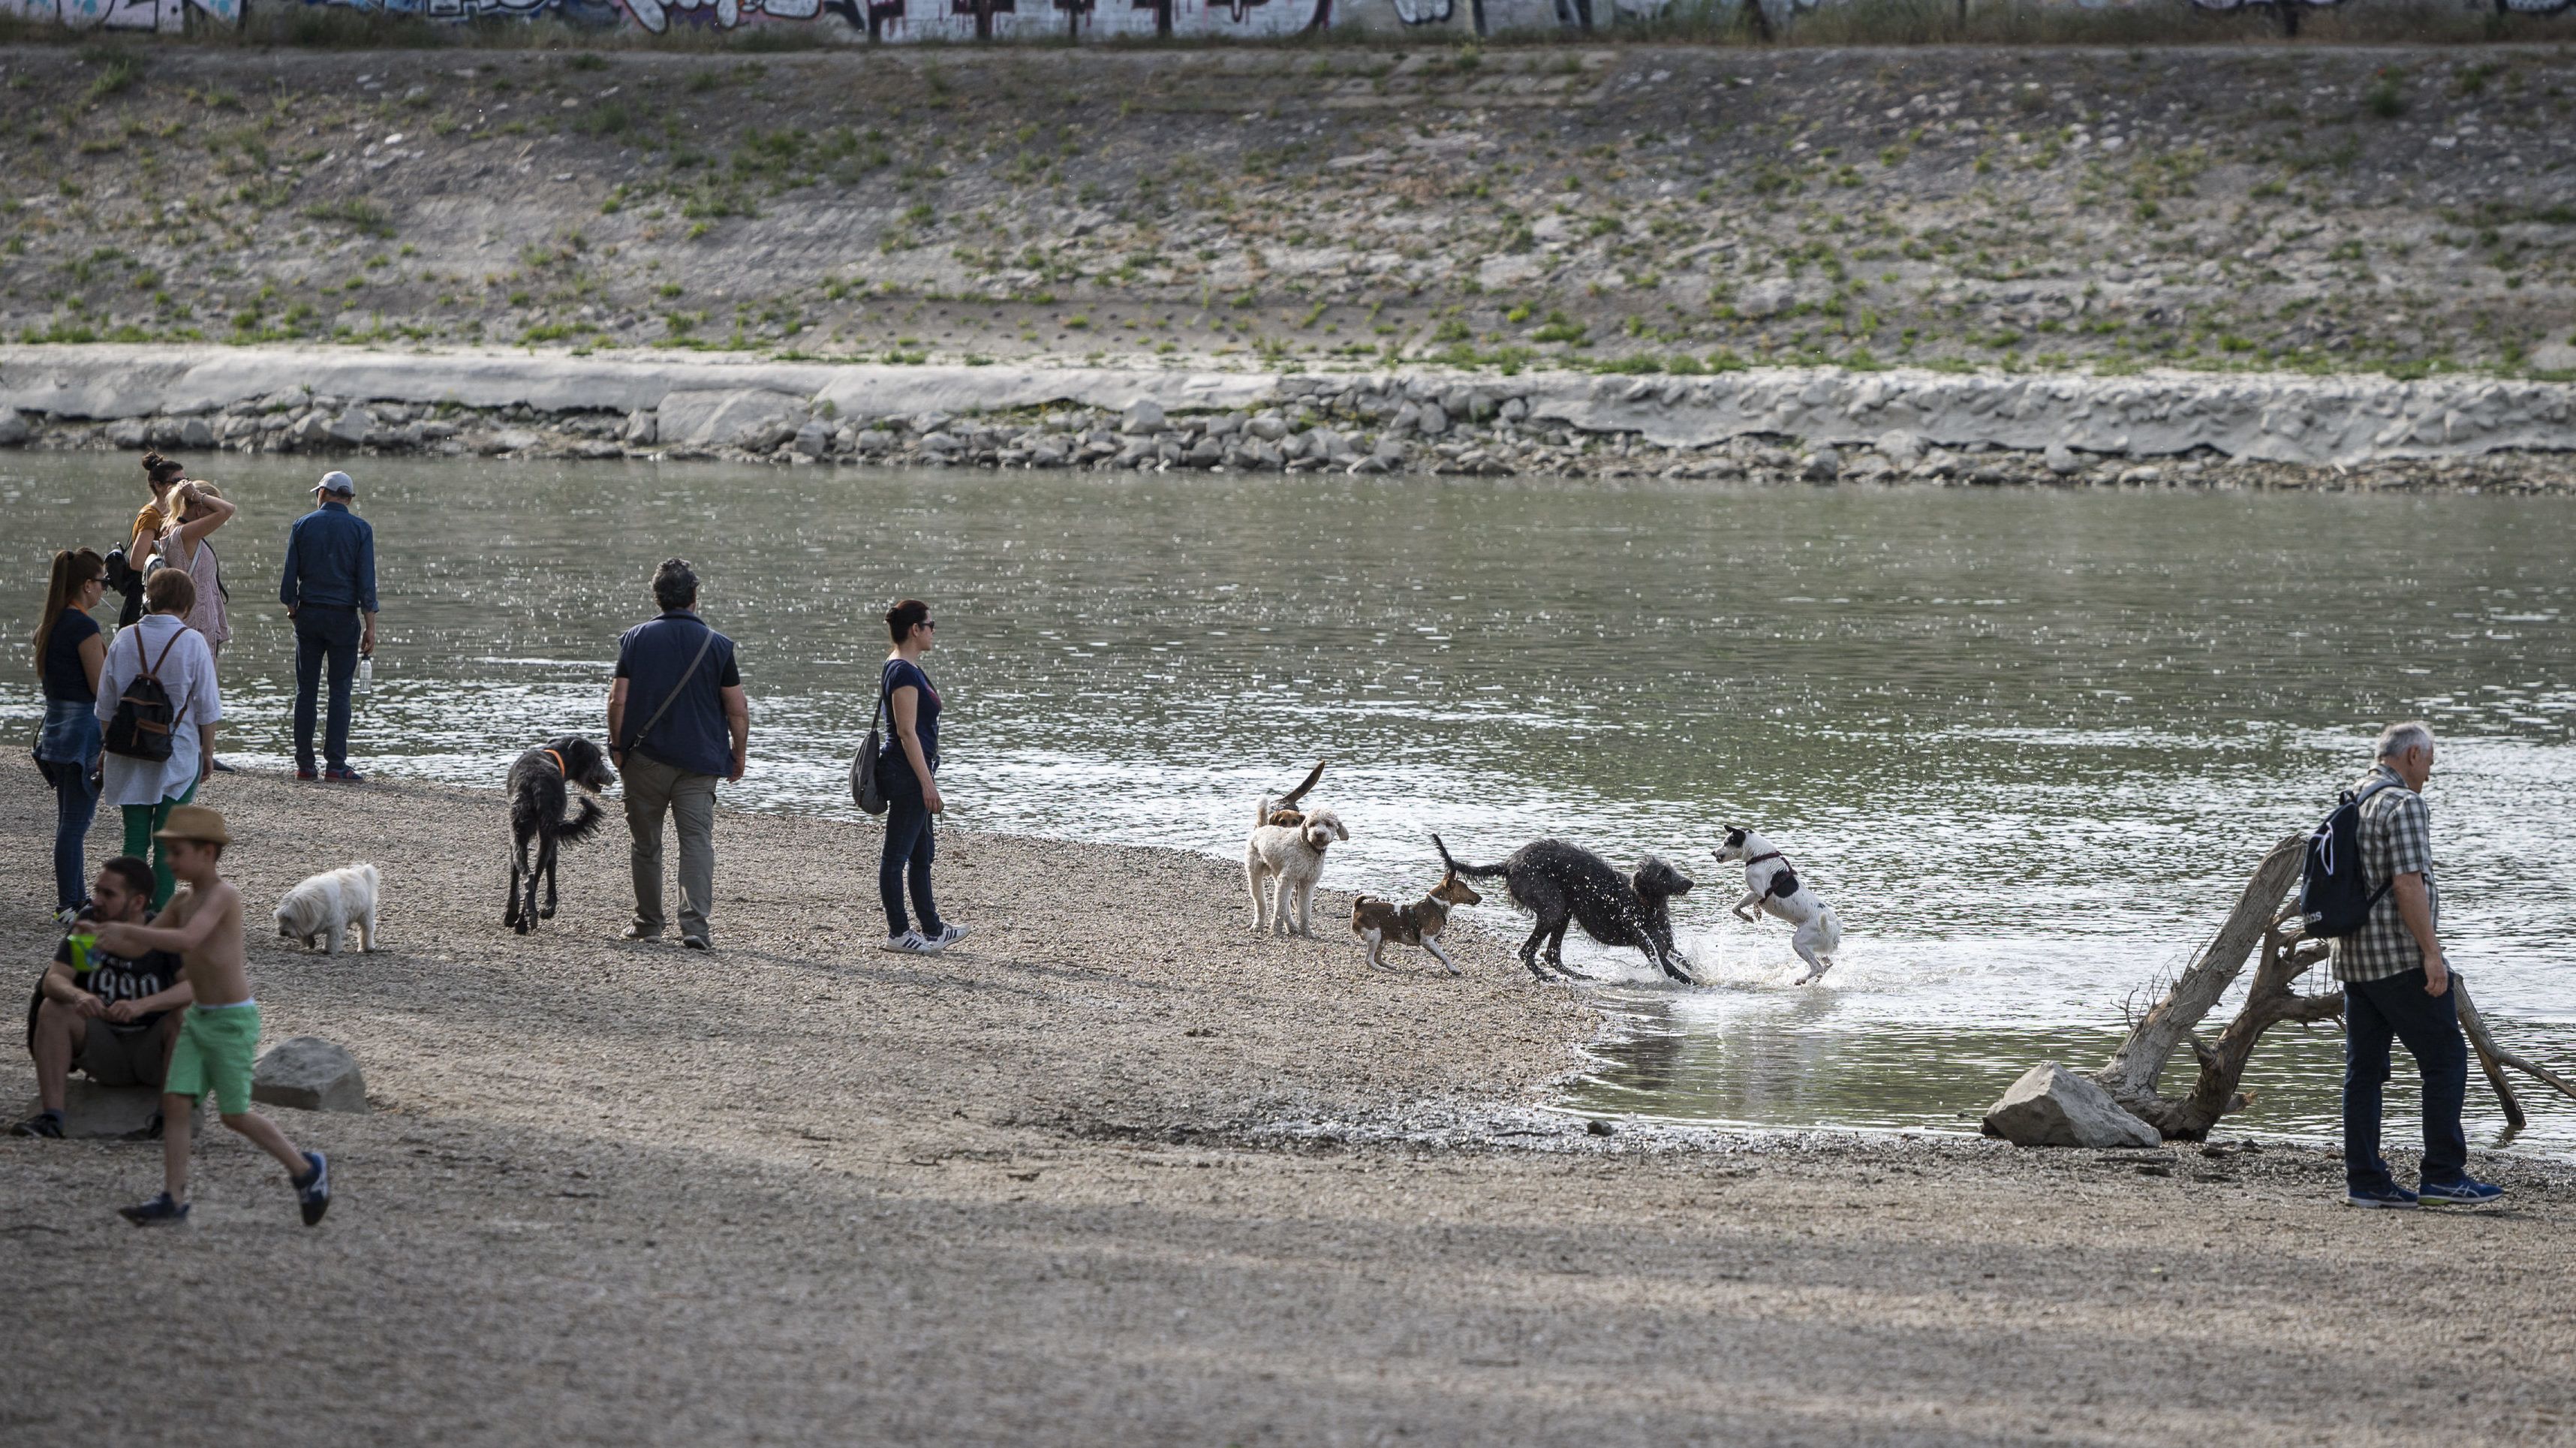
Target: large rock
x,y
351,427
128,433
2052,1106
731,418
814,439
1143,415
196,432
643,429
14,427
310,1074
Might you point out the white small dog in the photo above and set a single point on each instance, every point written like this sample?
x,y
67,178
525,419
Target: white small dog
x,y
1290,859
328,905
1770,884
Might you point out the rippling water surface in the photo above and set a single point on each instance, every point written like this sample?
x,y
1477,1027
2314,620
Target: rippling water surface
x,y
2028,743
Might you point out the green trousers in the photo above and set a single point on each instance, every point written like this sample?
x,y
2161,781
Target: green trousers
x,y
140,821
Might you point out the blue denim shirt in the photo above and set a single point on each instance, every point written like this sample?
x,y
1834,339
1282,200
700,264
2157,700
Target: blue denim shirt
x,y
330,561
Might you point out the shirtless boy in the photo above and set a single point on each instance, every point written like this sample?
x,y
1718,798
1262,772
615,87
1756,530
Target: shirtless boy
x,y
221,1031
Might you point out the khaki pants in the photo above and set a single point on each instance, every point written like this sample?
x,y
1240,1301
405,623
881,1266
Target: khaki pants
x,y
653,788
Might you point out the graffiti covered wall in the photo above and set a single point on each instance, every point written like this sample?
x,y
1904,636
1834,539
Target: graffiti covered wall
x,y
168,16
886,20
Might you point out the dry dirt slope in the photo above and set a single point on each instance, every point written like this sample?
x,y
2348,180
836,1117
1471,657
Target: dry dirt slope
x,y
799,1191
2278,206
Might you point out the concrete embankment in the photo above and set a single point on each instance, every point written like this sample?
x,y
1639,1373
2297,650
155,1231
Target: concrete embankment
x,y
1816,424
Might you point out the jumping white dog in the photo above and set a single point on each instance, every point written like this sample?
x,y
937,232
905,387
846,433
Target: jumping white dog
x,y
1287,846
330,904
1770,884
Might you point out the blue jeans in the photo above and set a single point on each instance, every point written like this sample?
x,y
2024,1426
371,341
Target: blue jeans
x,y
324,635
910,846
2374,1013
67,750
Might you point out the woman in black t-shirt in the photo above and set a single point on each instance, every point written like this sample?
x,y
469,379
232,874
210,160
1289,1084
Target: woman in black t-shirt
x,y
909,775
69,654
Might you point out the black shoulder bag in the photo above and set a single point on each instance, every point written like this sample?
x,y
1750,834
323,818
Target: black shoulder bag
x,y
865,788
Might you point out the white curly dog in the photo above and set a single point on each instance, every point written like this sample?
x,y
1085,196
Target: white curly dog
x,y
1282,862
329,905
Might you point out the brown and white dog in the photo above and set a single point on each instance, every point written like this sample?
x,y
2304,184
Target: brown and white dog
x,y
1283,860
1379,921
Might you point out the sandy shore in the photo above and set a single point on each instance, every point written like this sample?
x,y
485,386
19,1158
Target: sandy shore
x,y
1118,1172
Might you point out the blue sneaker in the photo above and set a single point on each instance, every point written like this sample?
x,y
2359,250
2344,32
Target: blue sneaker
x,y
313,1189
160,1211
2466,1192
2390,1196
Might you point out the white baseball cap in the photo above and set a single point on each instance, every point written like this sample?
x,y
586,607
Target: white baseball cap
x,y
336,482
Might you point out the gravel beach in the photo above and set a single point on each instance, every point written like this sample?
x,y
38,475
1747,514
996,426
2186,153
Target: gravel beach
x,y
1116,1170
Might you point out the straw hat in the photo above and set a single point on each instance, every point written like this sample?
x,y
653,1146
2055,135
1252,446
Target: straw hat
x,y
195,822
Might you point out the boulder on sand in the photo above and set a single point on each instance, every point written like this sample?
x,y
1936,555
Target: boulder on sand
x,y
310,1074
2052,1106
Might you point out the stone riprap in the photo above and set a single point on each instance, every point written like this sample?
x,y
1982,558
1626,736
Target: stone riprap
x,y
1815,425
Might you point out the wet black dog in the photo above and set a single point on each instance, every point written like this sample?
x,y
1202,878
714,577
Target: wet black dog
x,y
541,785
1566,884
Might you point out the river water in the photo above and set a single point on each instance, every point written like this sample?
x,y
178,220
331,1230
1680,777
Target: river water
x,y
2028,743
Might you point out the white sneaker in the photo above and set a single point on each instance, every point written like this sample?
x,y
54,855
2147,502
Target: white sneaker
x,y
911,943
949,934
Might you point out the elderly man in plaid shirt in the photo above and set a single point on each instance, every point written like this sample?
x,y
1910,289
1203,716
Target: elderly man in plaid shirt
x,y
2396,985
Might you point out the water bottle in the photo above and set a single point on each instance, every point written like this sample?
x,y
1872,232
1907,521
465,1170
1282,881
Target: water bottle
x,y
366,671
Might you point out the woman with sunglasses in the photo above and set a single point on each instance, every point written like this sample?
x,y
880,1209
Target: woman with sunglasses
x,y
70,652
908,774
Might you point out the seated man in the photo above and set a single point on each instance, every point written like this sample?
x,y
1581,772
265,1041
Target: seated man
x,y
117,1018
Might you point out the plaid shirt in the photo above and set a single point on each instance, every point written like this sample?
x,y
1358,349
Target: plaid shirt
x,y
2396,839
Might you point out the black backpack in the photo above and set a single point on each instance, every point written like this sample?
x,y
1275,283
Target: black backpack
x,y
144,719
2334,900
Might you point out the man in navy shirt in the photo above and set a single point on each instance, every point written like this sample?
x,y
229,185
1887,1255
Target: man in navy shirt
x,y
329,589
677,722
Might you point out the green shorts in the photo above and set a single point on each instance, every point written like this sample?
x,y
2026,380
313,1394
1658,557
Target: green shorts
x,y
216,1047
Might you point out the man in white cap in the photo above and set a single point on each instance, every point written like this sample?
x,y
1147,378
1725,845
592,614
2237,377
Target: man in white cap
x,y
329,589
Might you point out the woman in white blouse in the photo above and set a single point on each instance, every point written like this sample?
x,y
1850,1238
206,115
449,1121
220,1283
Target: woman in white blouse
x,y
164,646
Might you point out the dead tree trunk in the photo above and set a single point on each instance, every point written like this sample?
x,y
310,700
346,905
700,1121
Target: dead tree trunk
x,y
2268,1002
2131,1075
2494,1058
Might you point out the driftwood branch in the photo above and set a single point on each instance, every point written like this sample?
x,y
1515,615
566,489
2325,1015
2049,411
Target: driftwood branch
x,y
2269,1001
2272,999
2494,1058
2131,1075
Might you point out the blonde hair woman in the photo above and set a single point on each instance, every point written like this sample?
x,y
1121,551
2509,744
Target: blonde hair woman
x,y
195,509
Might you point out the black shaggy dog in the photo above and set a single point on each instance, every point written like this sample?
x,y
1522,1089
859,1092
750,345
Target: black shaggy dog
x,y
538,794
1566,884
